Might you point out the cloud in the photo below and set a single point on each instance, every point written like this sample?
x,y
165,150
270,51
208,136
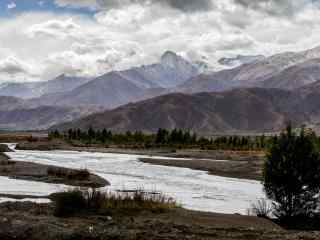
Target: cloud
x,y
183,5
12,66
282,8
126,33
11,5
54,28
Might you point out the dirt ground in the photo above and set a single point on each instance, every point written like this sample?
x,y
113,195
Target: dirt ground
x,y
229,168
38,172
36,222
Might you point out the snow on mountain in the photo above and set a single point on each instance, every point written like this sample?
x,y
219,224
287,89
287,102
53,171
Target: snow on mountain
x,y
171,71
27,90
279,67
121,87
240,60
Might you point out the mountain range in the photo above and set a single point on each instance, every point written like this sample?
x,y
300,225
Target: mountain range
x,y
254,94
28,90
288,70
234,111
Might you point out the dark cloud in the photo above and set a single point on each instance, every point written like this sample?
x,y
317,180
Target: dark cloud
x,y
12,66
190,5
183,5
12,69
286,8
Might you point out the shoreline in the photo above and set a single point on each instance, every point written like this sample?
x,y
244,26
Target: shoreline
x,y
231,164
48,174
161,152
228,168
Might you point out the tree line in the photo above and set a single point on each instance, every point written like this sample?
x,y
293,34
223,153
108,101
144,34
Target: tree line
x,y
163,138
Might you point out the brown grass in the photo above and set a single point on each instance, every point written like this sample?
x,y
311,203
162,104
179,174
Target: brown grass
x,y
69,203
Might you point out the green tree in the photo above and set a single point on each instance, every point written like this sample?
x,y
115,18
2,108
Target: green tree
x,y
292,174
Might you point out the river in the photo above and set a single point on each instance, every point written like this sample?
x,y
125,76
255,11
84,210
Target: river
x,y
193,189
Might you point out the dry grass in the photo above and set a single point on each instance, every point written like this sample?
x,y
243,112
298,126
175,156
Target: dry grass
x,y
69,203
261,208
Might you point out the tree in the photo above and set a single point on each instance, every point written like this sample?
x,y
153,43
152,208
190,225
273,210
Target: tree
x,y
161,137
292,174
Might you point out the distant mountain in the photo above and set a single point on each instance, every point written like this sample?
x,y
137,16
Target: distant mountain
x,y
239,110
240,60
271,72
108,90
295,76
27,90
21,114
171,71
121,87
10,103
39,118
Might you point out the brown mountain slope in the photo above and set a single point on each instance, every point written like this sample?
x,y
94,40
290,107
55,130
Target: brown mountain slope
x,y
244,110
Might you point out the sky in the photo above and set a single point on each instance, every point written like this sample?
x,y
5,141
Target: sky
x,y
41,39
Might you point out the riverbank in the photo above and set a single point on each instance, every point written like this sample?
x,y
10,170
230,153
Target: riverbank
x,y
230,168
46,145
235,164
36,222
48,174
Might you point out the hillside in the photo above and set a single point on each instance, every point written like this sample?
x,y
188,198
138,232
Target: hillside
x,y
27,90
287,70
18,114
240,110
117,88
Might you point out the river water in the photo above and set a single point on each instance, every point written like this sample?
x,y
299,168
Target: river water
x,y
193,189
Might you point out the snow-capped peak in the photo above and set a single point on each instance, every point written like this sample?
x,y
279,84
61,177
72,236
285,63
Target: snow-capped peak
x,y
171,59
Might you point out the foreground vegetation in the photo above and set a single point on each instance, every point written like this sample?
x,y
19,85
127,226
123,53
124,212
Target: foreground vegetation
x,y
176,138
76,201
292,174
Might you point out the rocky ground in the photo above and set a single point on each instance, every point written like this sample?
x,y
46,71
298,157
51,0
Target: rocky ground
x,y
36,222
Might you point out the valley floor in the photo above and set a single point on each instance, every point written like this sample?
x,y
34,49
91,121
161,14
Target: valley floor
x,y
36,222
26,220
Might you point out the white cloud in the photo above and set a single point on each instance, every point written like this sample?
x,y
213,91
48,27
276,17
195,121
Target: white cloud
x,y
54,28
11,5
123,34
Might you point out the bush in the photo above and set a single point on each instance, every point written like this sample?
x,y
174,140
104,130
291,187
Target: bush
x,y
4,148
292,174
69,203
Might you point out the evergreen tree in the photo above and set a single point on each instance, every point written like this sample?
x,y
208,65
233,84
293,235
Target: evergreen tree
x,y
292,174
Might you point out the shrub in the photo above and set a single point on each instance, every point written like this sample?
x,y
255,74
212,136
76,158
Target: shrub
x,y
292,174
69,203
139,200
261,209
